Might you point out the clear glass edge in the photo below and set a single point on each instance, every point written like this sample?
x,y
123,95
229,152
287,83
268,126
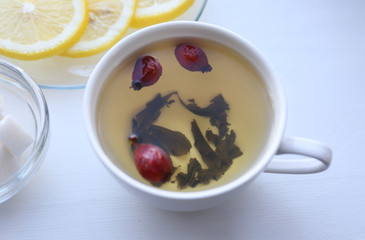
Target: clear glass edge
x,y
26,172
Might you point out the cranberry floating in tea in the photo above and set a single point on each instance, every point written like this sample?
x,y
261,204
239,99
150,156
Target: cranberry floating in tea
x,y
192,57
152,162
147,70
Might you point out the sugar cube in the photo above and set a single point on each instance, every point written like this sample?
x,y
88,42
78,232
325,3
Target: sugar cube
x,y
8,164
13,136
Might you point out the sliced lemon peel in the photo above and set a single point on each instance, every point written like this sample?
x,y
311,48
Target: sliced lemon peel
x,y
151,12
34,29
109,21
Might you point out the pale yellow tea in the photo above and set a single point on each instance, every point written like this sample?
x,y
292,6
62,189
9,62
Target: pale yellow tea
x,y
232,81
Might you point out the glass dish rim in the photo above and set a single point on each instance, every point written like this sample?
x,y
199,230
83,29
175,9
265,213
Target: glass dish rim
x,y
26,172
82,86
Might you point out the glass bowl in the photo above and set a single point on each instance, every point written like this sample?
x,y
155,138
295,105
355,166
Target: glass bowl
x,y
59,72
24,102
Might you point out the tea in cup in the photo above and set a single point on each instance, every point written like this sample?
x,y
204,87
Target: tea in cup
x,y
186,114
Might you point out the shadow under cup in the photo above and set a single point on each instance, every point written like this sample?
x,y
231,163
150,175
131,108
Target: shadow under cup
x,y
182,31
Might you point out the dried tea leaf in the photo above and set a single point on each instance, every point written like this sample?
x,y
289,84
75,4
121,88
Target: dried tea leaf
x,y
190,178
173,142
208,155
152,112
218,160
211,137
216,111
217,105
225,147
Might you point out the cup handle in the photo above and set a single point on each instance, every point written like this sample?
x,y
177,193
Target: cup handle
x,y
318,157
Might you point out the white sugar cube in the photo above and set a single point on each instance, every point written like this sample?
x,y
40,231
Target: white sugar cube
x,y
13,136
8,164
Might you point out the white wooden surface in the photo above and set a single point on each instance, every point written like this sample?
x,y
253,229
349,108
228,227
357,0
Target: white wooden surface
x,y
318,50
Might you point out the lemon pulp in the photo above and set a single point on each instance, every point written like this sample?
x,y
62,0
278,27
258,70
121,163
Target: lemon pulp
x,y
108,22
33,29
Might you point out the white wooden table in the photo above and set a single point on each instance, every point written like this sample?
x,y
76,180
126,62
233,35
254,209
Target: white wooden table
x,y
318,50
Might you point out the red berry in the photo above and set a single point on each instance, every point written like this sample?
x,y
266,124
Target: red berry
x,y
153,163
192,57
147,71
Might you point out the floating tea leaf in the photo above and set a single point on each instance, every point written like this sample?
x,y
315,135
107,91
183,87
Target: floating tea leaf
x,y
218,160
225,147
209,157
190,179
216,111
173,142
152,112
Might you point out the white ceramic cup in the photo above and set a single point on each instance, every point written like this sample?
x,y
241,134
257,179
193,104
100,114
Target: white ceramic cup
x,y
317,156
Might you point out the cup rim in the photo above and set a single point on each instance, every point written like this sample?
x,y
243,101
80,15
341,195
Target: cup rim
x,y
112,59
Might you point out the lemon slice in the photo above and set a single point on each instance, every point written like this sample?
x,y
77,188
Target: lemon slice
x,y
33,29
150,12
108,22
